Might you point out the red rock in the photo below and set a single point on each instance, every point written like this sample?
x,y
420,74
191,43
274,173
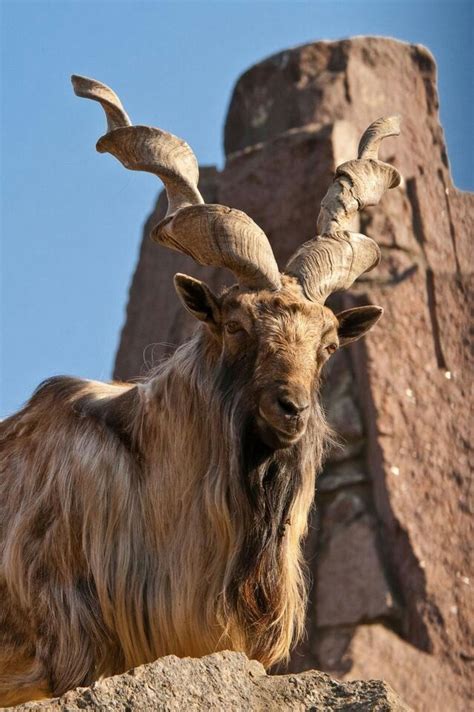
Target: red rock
x,y
292,118
281,183
432,684
351,585
355,80
330,649
343,474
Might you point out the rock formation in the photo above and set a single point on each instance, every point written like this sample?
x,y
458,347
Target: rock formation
x,y
392,530
221,681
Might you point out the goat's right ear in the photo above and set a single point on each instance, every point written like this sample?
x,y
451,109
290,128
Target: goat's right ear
x,y
197,299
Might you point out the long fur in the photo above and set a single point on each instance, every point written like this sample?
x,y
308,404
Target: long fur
x,y
139,521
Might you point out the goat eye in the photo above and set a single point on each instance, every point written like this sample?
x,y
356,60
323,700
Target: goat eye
x,y
232,327
331,348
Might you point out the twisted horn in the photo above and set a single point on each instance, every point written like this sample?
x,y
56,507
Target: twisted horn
x,y
91,89
213,235
335,258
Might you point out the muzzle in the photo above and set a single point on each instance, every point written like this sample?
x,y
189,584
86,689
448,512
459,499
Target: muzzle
x,y
283,414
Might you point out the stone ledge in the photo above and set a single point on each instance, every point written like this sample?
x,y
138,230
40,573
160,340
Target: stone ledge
x,y
221,681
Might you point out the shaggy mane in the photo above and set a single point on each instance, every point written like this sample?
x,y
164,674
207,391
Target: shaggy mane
x,y
140,537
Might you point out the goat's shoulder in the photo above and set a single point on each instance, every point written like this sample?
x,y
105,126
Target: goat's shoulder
x,y
113,406
64,401
50,399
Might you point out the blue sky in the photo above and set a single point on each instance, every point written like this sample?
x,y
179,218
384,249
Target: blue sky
x,y
71,218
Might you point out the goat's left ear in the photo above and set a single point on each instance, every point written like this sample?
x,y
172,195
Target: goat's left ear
x,y
354,323
197,299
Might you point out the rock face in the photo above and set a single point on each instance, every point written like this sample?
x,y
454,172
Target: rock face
x,y
391,535
221,681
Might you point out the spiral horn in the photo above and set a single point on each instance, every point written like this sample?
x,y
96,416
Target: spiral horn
x,y
212,234
336,257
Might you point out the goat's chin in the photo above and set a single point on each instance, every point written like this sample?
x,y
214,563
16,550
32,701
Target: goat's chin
x,y
274,438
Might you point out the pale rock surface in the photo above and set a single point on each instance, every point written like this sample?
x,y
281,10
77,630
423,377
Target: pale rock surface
x,y
223,681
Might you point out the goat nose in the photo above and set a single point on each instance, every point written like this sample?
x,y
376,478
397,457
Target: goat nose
x,y
293,403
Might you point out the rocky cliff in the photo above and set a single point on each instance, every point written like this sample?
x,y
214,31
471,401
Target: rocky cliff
x,y
392,529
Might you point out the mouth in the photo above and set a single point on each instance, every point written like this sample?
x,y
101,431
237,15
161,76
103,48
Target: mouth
x,y
276,437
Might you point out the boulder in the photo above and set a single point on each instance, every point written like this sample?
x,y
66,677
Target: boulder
x,y
221,681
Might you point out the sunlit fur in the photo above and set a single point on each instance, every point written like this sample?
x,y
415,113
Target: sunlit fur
x,y
139,521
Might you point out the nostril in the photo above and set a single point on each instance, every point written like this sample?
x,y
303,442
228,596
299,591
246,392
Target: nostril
x,y
289,407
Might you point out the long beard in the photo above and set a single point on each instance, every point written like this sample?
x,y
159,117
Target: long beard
x,y
269,479
264,583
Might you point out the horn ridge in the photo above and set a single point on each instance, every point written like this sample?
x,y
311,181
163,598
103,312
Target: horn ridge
x,y
144,148
332,262
222,237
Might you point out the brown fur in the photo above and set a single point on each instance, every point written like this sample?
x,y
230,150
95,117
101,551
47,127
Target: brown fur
x,y
152,519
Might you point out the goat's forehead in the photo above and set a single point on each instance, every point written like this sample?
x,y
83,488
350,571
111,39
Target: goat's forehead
x,y
283,310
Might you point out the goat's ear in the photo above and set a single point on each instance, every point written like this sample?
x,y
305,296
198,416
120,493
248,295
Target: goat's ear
x,y
354,323
197,299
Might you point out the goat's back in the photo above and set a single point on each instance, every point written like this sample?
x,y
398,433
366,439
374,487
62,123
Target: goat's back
x,y
64,459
